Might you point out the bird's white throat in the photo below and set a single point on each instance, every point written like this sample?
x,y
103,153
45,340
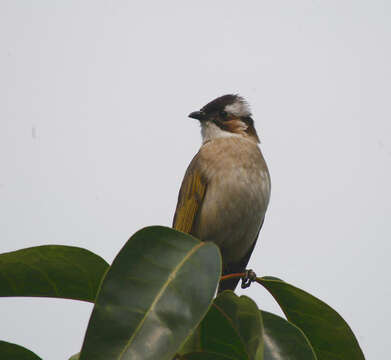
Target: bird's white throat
x,y
210,131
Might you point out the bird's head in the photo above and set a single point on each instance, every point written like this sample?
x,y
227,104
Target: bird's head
x,y
228,115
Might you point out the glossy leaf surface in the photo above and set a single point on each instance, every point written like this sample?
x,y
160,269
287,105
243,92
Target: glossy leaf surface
x,y
328,333
246,319
205,356
51,271
232,328
16,352
283,340
156,292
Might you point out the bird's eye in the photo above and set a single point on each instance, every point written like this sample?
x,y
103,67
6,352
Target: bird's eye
x,y
223,114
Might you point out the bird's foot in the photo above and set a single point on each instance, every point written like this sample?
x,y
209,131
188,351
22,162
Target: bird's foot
x,y
247,279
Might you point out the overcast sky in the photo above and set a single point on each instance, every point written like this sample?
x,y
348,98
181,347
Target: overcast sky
x,y
95,139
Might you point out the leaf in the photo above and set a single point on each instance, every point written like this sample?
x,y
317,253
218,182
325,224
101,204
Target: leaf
x,y
232,328
154,295
51,271
246,318
75,357
205,356
328,333
16,352
217,334
283,340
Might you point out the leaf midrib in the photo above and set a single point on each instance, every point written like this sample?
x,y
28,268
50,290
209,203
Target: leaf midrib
x,y
171,276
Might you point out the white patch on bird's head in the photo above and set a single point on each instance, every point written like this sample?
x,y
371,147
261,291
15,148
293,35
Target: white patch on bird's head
x,y
239,107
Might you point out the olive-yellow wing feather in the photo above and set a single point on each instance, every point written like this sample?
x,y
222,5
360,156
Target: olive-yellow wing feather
x,y
190,199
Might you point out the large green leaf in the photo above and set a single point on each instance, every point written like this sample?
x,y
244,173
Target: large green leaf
x,y
204,356
232,328
51,271
283,340
216,335
247,320
11,351
154,295
328,333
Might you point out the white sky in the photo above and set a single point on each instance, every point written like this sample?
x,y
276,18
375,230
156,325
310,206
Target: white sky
x,y
95,139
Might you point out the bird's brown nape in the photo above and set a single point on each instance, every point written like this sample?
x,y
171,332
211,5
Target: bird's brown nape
x,y
238,126
252,133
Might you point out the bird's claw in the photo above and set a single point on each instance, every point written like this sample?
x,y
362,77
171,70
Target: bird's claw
x,y
247,279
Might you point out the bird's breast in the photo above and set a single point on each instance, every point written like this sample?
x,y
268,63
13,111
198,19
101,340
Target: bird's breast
x,y
237,195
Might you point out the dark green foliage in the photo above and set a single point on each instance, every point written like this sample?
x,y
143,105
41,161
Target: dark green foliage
x,y
328,333
283,340
232,327
145,308
156,300
51,271
16,352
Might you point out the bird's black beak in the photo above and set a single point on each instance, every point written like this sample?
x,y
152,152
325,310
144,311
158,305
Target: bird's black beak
x,y
199,115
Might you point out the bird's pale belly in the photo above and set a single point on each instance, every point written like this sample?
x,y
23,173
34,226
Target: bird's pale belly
x,y
232,212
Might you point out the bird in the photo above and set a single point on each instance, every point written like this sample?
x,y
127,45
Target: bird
x,y
226,188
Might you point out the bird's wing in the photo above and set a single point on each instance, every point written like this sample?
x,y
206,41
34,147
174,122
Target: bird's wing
x,y
190,198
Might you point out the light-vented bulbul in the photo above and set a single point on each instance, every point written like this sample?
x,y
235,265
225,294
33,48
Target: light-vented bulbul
x,y
226,189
